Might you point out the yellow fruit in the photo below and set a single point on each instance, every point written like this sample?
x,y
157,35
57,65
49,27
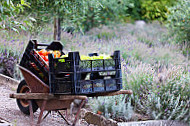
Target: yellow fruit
x,y
102,56
63,56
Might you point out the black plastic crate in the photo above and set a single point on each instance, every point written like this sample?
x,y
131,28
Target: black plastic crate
x,y
77,70
73,76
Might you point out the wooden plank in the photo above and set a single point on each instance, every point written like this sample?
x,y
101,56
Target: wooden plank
x,y
46,96
5,80
115,93
32,96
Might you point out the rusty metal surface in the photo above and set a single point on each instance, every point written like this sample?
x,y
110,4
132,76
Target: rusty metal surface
x,y
31,113
55,104
35,84
43,106
78,112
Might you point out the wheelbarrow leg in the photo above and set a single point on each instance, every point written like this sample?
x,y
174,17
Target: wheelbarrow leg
x,y
63,118
31,113
78,112
41,112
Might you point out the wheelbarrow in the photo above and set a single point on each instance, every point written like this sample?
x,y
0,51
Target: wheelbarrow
x,y
32,93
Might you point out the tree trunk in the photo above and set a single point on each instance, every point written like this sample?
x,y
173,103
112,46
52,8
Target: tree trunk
x,y
59,29
55,29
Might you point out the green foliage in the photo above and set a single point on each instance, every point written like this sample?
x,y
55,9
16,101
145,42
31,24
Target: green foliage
x,y
104,12
150,10
154,10
83,15
9,13
179,23
72,13
115,107
136,12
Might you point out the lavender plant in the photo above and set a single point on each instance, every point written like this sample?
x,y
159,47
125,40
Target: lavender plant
x,y
115,107
8,60
160,94
7,64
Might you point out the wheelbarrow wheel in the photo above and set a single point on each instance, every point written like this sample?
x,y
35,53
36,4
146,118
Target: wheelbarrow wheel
x,y
22,103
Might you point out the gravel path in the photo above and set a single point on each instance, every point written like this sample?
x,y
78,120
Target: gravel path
x,y
10,112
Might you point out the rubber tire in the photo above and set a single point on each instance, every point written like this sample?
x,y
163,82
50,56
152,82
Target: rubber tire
x,y
22,108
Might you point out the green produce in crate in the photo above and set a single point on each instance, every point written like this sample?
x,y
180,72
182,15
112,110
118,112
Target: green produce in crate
x,y
102,56
63,56
97,61
83,57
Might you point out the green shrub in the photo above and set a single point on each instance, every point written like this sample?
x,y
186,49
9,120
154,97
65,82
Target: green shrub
x,y
105,12
179,23
150,10
154,10
135,12
114,107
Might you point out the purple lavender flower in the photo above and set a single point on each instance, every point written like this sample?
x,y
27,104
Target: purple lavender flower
x,y
166,110
5,51
11,58
1,57
102,103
